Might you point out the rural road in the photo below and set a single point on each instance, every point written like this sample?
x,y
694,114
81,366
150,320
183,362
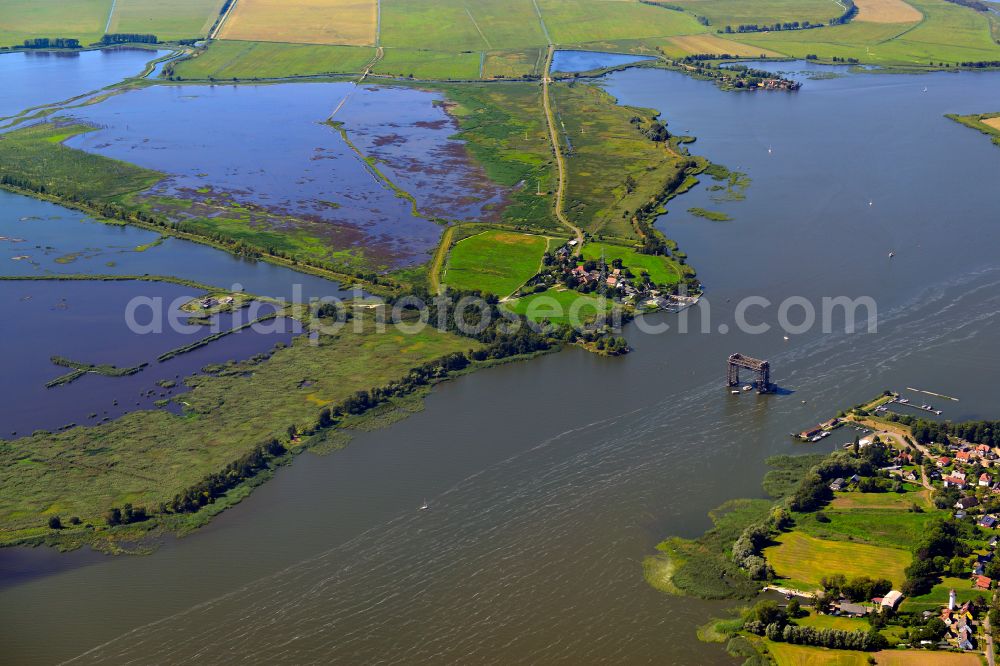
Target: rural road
x,y
560,162
989,642
218,26
111,15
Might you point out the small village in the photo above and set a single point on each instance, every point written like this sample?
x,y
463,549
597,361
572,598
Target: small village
x,y
613,280
961,479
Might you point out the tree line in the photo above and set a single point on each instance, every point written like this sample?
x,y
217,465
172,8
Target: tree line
x,y
777,624
128,38
52,43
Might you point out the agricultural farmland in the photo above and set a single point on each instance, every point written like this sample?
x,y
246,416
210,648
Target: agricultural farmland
x,y
461,25
79,19
495,262
348,22
886,11
762,12
177,19
803,560
948,33
253,60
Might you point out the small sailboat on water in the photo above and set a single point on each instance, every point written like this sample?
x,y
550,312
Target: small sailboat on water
x,y
425,506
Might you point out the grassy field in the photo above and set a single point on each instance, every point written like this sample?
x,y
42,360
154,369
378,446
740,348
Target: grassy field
x,y
661,270
509,64
613,168
678,47
247,60
948,33
80,19
886,11
803,560
433,65
177,19
495,262
919,658
786,654
504,128
880,527
560,306
460,25
834,622
36,153
575,22
734,12
349,22
938,596
897,501
147,457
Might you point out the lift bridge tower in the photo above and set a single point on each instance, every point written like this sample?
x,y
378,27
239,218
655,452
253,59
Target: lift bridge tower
x,y
762,369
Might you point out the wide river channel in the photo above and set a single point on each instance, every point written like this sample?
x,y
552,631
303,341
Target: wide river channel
x,y
549,481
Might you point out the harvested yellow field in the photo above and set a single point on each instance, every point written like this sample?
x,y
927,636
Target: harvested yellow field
x,y
804,560
350,22
709,43
992,122
919,657
887,11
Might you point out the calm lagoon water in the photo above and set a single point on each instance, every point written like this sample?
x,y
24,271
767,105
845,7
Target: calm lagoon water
x,y
585,61
86,322
38,238
549,481
31,78
211,141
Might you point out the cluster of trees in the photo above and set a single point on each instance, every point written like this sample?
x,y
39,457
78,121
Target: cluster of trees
x,y
696,57
613,345
777,27
768,619
128,38
977,432
217,484
748,549
861,588
979,64
814,491
934,553
656,131
125,515
422,375
52,43
55,522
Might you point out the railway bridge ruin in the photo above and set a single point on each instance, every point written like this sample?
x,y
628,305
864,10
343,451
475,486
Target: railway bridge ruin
x,y
762,370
